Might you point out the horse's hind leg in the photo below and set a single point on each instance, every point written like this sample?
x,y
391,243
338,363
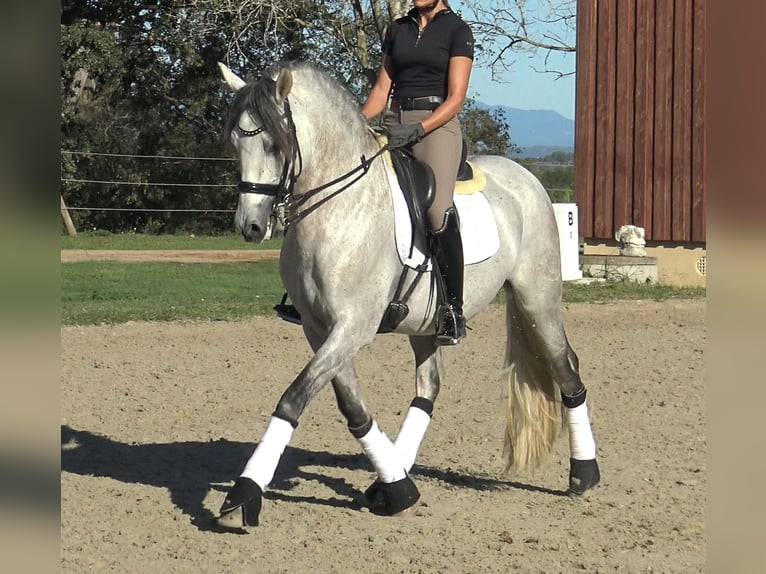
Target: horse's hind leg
x,y
427,383
534,317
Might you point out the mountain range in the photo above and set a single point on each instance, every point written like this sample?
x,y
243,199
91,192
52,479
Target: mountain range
x,y
537,132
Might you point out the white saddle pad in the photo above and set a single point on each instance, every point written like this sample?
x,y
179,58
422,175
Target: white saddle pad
x,y
478,228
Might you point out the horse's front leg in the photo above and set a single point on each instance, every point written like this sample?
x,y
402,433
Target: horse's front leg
x,y
418,416
242,505
398,493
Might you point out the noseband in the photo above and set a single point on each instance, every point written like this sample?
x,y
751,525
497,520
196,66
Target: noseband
x,y
283,190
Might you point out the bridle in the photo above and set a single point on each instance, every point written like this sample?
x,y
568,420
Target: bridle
x,y
283,190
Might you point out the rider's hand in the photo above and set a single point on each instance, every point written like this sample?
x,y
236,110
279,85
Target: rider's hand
x,y
404,134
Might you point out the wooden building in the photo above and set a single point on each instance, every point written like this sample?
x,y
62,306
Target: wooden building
x,y
639,118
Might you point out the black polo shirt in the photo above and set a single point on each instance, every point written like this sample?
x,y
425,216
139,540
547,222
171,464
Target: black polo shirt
x,y
421,60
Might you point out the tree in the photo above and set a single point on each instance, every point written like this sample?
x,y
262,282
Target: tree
x,y
558,180
505,29
485,132
344,32
141,80
561,157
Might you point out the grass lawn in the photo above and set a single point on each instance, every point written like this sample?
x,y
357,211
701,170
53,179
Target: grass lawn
x,y
95,292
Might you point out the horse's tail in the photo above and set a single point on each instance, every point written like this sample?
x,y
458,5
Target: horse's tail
x,y
533,407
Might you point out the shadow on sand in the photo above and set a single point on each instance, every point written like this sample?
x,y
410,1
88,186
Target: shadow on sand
x,y
188,470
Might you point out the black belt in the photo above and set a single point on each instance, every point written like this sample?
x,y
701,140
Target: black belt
x,y
424,103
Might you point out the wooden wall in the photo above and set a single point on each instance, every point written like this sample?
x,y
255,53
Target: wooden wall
x,y
639,129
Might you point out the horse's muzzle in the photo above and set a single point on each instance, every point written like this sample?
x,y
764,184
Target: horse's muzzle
x,y
253,233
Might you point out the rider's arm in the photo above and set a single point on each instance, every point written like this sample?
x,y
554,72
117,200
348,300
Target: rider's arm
x,y
458,74
376,101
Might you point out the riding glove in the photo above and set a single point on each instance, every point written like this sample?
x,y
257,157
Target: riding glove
x,y
405,134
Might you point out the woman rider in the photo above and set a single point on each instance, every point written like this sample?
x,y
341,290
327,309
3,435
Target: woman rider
x,y
427,60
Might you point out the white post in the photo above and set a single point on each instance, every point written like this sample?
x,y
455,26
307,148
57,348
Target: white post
x,y
569,240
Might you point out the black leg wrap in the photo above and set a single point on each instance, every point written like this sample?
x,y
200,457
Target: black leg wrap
x,y
242,505
291,420
424,404
583,475
359,432
576,399
392,498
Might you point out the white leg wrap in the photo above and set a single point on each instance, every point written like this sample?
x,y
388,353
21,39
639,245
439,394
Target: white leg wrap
x,y
581,443
383,455
263,463
411,435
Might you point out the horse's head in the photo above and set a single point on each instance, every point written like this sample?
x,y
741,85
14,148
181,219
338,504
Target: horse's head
x,y
260,127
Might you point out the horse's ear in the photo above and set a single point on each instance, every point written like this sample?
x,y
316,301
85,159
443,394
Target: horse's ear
x,y
284,84
232,79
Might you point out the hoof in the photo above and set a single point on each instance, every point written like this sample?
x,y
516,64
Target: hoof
x,y
242,505
374,493
398,498
583,475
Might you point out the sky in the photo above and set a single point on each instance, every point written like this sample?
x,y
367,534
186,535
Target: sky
x,y
524,88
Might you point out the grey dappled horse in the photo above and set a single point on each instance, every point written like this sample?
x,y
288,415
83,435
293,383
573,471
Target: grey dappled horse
x,y
301,140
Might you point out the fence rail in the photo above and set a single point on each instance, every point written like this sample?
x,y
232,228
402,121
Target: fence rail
x,y
148,183
163,210
173,157
186,185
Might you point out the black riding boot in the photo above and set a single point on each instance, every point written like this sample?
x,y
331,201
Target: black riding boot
x,y
448,252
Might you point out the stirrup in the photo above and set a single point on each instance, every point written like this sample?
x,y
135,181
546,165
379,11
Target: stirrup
x,y
288,312
450,325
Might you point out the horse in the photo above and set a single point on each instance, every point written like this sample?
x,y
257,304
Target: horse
x,y
302,142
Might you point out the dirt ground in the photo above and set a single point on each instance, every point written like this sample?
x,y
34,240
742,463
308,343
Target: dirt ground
x,y
159,418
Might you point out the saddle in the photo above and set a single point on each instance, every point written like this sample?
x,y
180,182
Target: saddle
x,y
417,181
416,178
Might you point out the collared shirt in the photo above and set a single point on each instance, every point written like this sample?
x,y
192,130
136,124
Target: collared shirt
x,y
421,58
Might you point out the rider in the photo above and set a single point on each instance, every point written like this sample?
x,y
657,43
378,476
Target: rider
x,y
427,60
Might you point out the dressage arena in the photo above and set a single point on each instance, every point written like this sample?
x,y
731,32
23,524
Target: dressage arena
x,y
158,419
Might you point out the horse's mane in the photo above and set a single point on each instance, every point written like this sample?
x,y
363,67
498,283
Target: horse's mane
x,y
325,85
257,99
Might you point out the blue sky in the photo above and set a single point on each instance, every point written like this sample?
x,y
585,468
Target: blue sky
x,y
523,87
526,89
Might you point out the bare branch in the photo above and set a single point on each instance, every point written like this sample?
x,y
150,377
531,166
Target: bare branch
x,y
244,16
511,27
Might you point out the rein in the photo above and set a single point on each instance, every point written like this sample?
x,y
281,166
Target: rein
x,y
297,200
283,190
